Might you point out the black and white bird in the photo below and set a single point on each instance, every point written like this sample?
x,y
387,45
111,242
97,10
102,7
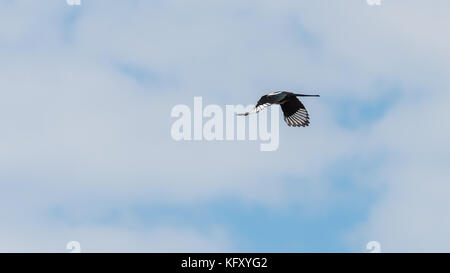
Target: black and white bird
x,y
294,111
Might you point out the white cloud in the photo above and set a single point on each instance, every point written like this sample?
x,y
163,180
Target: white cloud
x,y
76,126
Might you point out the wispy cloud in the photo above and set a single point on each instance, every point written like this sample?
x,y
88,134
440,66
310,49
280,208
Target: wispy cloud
x,y
85,111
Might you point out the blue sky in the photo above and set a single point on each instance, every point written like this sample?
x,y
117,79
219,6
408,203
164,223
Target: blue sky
x,y
87,91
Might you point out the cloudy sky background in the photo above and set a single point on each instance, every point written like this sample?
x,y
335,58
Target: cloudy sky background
x,y
86,153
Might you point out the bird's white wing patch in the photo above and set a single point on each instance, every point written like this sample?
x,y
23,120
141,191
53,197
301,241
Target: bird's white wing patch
x,y
256,109
259,108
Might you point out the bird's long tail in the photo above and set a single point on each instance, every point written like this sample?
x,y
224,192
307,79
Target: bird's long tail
x,y
303,95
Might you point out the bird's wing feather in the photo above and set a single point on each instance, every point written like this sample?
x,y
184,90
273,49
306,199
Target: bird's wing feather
x,y
263,102
295,113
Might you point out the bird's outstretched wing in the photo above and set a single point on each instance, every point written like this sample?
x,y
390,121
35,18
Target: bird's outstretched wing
x,y
295,113
262,103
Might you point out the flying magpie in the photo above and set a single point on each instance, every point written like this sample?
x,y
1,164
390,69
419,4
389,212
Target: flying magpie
x,y
294,111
